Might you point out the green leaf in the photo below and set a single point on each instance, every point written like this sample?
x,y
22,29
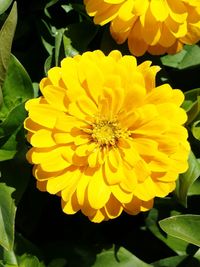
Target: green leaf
x,y
68,48
67,8
48,64
14,119
63,48
12,170
177,261
9,257
195,188
190,98
7,154
184,227
187,179
58,44
7,216
49,4
47,36
121,258
29,261
4,5
10,145
17,87
192,104
35,89
188,57
174,60
196,129
6,38
12,133
177,245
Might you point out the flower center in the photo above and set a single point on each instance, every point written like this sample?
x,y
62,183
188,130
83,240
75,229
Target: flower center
x,y
107,132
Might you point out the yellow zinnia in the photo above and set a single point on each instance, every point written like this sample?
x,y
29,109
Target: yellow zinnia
x,y
156,26
104,138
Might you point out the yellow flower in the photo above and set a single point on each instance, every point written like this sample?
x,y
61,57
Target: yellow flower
x,y
104,138
156,26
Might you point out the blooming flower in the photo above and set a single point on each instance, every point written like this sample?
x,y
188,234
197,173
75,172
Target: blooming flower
x,y
104,138
156,26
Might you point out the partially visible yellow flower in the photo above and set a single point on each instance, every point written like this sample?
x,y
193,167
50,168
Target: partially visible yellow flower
x,y
156,26
104,137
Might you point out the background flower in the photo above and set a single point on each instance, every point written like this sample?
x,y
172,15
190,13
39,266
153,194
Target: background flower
x,y
155,26
104,137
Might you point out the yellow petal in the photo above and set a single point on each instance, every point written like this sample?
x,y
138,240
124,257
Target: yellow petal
x,y
31,126
54,75
42,138
159,9
98,191
86,149
130,179
63,138
151,27
112,175
114,157
60,182
113,208
97,217
44,115
87,106
61,101
53,161
136,44
154,127
120,194
93,158
71,206
146,190
74,177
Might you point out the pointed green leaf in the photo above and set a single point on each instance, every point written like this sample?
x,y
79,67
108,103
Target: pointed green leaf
x,y
58,45
17,87
6,38
187,179
184,227
7,217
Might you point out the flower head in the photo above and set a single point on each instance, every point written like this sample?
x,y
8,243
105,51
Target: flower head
x,y
156,26
104,137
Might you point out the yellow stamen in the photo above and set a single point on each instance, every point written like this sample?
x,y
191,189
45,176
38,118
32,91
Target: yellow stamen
x,y
107,132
